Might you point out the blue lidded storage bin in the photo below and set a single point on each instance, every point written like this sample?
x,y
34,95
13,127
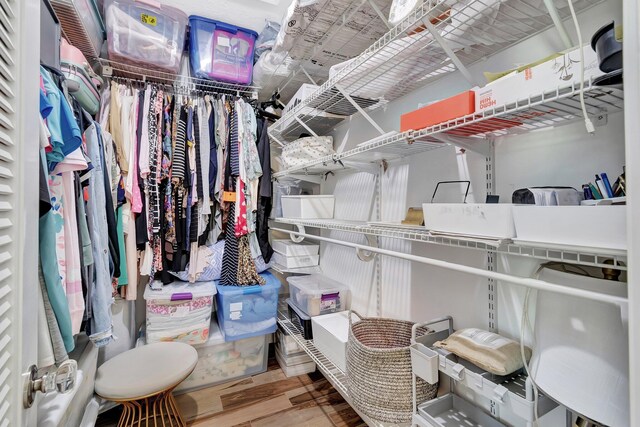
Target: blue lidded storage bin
x,y
248,311
221,51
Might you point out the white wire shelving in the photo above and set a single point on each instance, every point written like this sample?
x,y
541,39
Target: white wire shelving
x,y
332,373
600,258
127,72
301,270
437,38
553,108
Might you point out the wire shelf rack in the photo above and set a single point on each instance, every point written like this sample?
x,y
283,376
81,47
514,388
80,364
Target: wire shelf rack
x,y
570,254
332,373
128,72
552,108
409,56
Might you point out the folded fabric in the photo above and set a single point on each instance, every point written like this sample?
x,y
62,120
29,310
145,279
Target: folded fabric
x,y
212,266
304,150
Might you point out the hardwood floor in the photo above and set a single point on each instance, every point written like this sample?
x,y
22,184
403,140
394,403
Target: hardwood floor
x,y
269,399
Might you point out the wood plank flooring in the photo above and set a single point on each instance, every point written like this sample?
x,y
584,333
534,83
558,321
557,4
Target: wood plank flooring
x,y
269,399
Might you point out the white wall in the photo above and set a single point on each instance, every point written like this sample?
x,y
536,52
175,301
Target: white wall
x,y
563,156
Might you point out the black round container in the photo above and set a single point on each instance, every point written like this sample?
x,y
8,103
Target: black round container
x,y
608,49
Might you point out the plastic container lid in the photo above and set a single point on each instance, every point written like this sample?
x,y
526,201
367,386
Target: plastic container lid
x,y
273,284
230,28
177,291
316,284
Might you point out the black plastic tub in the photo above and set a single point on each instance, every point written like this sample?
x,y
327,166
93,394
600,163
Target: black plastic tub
x,y
608,49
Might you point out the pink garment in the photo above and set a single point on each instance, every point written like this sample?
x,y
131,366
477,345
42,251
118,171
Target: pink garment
x,y
241,209
73,279
132,187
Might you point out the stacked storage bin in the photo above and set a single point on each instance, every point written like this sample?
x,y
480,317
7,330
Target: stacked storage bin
x,y
295,255
248,311
291,357
220,51
220,361
179,311
145,34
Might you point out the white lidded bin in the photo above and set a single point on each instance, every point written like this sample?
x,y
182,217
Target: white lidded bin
x,y
601,227
310,207
488,220
220,361
316,294
330,336
294,368
289,248
179,311
296,261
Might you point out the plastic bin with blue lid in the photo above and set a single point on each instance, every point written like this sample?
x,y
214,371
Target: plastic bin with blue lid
x,y
145,33
248,311
220,51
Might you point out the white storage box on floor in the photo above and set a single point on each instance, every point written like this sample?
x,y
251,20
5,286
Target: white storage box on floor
x,y
292,367
310,207
486,220
179,311
602,227
330,335
316,294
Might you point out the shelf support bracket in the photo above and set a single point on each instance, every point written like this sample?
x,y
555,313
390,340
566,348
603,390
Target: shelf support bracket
x,y
364,255
308,76
477,146
304,125
360,110
297,238
280,143
450,53
380,14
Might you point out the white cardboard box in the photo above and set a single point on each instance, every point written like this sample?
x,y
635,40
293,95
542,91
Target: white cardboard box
x,y
560,72
330,336
492,220
296,261
586,226
310,207
289,248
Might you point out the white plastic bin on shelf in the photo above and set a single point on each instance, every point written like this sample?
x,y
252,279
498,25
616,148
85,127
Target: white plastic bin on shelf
x,y
309,207
296,261
316,294
220,361
291,249
179,311
453,411
330,336
470,219
602,227
294,367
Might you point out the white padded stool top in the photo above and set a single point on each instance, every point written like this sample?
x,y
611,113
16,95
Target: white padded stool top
x,y
145,370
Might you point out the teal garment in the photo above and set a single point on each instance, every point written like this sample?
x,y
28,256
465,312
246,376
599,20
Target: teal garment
x,y
57,297
124,278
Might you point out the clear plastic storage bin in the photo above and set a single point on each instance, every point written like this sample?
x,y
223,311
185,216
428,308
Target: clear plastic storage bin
x,y
221,51
220,361
145,33
248,311
179,311
317,294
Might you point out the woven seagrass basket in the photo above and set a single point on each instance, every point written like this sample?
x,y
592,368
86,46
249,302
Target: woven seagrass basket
x,y
379,369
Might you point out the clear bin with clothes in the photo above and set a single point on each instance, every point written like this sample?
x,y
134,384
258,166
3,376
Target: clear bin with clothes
x,y
247,311
145,33
179,311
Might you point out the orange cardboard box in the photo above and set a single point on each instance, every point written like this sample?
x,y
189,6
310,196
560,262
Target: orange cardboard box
x,y
442,111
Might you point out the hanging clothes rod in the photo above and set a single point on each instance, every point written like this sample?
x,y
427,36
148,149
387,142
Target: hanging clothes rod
x,y
177,88
516,280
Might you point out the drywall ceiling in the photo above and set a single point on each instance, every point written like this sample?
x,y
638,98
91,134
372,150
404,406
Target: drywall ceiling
x,y
243,13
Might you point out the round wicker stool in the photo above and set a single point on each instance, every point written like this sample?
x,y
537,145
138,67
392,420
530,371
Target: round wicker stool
x,y
143,379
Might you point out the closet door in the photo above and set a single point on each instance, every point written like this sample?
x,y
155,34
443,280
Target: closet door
x,y
19,99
